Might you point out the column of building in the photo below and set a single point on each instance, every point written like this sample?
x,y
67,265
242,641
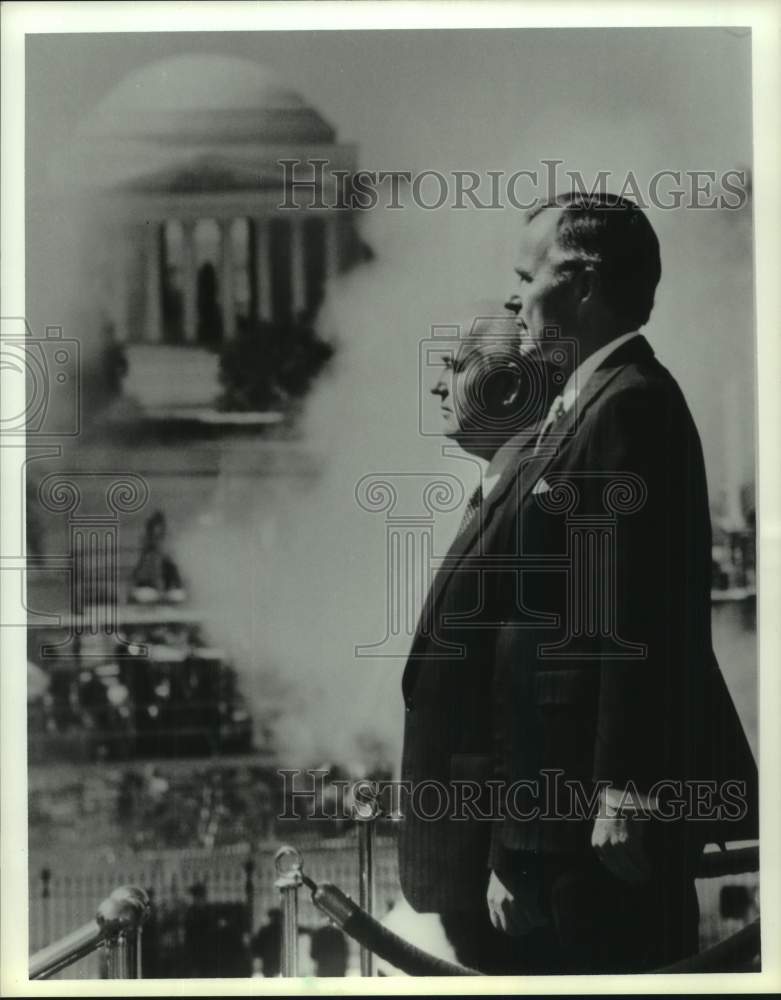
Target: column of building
x,y
297,266
263,297
226,279
153,326
153,318
189,282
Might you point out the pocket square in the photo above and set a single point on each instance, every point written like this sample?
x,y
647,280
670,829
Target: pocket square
x,y
540,487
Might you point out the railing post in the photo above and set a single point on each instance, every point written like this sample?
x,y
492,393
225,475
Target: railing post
x,y
46,903
289,881
116,927
365,813
111,946
130,942
120,918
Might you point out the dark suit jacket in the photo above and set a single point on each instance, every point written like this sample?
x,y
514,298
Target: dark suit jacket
x,y
567,639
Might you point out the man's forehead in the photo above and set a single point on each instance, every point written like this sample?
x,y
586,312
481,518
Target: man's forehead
x,y
539,234
489,336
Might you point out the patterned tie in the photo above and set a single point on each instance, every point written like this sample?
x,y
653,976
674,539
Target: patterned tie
x,y
556,412
472,507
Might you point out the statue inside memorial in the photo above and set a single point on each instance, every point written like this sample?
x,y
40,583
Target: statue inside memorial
x,y
156,576
209,312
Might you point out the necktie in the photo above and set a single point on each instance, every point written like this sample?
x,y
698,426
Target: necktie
x,y
556,412
472,507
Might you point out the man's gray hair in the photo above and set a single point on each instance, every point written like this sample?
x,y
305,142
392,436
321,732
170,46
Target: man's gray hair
x,y
614,236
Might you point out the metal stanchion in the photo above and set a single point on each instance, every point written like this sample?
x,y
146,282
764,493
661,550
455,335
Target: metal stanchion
x,y
365,812
120,918
133,934
121,952
289,880
117,927
46,902
113,964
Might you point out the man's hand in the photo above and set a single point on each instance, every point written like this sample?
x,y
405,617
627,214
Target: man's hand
x,y
618,840
514,912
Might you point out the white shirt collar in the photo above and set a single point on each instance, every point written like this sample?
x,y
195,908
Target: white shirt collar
x,y
577,380
584,371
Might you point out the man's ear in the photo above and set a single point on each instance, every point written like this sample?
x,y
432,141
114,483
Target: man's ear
x,y
587,285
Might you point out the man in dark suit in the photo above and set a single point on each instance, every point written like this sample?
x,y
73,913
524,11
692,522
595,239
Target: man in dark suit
x,y
492,401
563,669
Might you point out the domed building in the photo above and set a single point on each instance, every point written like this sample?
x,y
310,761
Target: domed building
x,y
163,233
181,163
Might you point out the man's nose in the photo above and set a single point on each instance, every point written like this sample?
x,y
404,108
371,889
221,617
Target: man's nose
x,y
439,388
513,304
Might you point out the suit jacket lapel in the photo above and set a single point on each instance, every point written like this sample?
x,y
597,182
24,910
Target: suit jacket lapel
x,y
562,433
466,539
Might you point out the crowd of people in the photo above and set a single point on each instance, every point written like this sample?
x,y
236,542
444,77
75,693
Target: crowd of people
x,y
153,689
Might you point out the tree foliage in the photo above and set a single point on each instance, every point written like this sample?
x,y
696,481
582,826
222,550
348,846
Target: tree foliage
x,y
270,365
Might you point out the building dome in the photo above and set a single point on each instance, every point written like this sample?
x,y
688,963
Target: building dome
x,y
192,99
